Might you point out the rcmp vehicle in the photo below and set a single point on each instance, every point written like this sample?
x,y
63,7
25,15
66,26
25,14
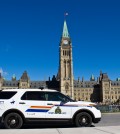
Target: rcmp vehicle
x,y
20,106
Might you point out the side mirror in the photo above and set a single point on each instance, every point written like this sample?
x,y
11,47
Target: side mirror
x,y
68,96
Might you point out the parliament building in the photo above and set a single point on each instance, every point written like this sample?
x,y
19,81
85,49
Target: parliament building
x,y
101,90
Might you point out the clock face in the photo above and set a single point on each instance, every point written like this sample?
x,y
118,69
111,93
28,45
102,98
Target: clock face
x,y
65,42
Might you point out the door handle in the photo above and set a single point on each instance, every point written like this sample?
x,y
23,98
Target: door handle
x,y
49,104
22,103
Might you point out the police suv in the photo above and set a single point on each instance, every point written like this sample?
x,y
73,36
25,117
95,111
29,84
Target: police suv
x,y
20,106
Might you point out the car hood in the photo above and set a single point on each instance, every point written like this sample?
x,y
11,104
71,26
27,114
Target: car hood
x,y
81,103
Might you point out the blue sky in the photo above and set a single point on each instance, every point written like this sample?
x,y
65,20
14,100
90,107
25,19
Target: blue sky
x,y
30,32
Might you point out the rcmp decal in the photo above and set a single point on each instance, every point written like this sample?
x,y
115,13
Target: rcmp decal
x,y
46,109
31,114
38,109
58,110
12,102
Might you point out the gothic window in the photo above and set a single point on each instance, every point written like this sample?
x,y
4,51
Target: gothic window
x,y
66,87
68,53
65,53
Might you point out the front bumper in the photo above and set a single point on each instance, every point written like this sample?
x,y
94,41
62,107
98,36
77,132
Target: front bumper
x,y
96,120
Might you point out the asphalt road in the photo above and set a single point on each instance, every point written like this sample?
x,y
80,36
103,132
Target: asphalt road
x,y
109,119
112,119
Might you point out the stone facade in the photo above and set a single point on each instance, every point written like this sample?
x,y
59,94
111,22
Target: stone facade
x,y
65,64
101,90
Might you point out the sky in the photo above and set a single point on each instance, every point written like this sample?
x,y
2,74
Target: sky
x,y
30,33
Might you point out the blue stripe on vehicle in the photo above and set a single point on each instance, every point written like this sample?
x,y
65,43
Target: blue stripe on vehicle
x,y
36,110
89,106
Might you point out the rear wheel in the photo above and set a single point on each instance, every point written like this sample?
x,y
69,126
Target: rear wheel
x,y
83,120
13,121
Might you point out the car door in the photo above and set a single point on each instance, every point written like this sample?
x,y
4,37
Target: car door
x,y
32,104
57,109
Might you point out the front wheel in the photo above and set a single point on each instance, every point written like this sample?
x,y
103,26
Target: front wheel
x,y
83,120
13,121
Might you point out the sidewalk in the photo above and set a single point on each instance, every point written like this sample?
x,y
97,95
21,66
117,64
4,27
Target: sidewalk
x,y
91,130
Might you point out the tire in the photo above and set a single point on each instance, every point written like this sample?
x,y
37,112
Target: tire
x,y
83,120
13,121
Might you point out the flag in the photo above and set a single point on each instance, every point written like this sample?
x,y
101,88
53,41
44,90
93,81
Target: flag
x,y
66,14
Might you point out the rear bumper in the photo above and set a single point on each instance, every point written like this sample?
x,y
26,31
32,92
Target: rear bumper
x,y
96,120
0,119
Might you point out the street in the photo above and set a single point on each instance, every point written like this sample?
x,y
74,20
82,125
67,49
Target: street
x,y
109,119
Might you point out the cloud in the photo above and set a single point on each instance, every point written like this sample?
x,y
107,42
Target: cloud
x,y
3,72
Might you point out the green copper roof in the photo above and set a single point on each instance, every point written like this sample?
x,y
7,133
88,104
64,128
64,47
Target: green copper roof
x,y
65,30
14,76
92,76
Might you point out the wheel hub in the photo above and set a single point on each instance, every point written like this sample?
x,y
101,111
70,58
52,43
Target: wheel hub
x,y
13,122
83,120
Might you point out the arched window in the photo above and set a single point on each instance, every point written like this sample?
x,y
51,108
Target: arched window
x,y
66,87
65,52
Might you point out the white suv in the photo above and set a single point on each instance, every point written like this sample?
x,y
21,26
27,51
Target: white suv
x,y
19,106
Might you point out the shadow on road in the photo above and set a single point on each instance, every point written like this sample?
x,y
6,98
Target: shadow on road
x,y
43,126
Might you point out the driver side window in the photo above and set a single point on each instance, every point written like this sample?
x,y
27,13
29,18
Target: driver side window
x,y
55,96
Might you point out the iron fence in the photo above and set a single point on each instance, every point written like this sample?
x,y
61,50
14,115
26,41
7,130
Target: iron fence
x,y
109,108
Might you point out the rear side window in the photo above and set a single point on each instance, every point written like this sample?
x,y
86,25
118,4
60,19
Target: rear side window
x,y
7,94
33,95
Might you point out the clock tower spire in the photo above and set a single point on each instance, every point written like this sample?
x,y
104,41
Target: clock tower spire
x,y
65,30
65,63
